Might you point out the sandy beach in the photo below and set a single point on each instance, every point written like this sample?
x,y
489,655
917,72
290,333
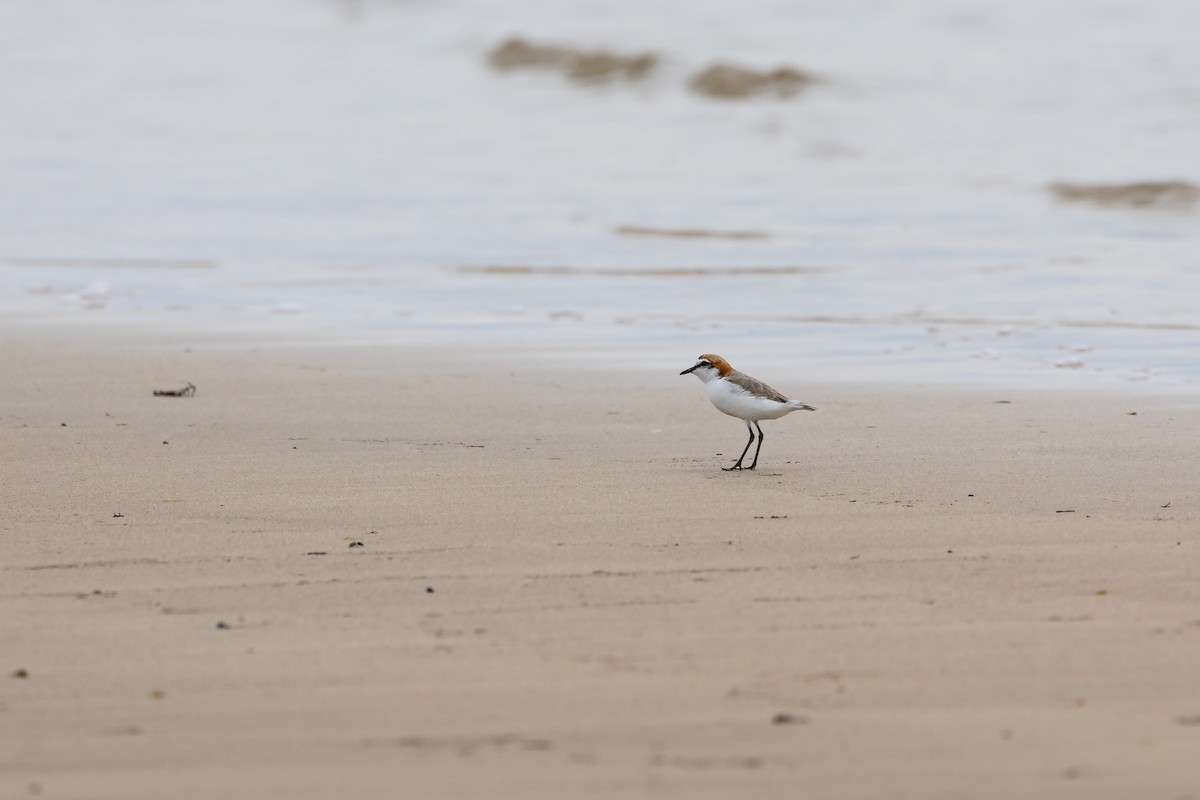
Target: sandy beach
x,y
443,520
392,571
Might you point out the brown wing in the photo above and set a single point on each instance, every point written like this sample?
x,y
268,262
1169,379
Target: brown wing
x,y
755,386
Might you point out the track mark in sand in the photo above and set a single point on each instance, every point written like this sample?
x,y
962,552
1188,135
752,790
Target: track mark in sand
x,y
697,763
805,691
124,562
829,598
390,440
583,605
466,745
605,573
77,595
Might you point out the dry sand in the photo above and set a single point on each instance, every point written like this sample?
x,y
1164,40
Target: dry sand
x,y
559,594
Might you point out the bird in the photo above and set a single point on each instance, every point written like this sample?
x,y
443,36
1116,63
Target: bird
x,y
738,395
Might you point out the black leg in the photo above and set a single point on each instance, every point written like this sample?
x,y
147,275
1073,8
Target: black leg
x,y
738,464
754,463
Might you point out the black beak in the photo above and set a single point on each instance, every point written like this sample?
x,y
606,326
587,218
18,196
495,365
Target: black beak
x,y
689,369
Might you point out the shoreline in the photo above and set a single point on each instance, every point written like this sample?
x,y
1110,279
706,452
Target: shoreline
x,y
771,353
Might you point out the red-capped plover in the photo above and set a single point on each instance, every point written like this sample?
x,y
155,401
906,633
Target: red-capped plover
x,y
738,395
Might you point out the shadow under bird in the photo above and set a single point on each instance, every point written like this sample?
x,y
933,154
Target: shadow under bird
x,y
738,395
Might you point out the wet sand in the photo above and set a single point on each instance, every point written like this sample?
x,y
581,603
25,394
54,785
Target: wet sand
x,y
687,233
922,592
1176,195
730,82
581,66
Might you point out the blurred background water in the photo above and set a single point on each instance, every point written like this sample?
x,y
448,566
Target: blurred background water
x,y
358,170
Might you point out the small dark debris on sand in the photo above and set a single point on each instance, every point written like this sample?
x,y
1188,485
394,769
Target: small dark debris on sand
x,y
222,626
21,673
579,65
187,390
356,544
727,82
783,718
1143,194
428,590
317,553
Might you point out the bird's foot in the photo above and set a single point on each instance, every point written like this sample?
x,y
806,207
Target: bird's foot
x,y
731,469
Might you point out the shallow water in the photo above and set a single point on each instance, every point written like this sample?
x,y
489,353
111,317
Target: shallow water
x,y
357,171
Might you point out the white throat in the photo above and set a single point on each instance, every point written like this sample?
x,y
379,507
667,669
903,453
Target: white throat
x,y
706,374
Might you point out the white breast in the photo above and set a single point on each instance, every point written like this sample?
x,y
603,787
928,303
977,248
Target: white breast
x,y
731,399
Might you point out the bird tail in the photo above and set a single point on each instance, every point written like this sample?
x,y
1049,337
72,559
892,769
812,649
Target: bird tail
x,y
801,406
